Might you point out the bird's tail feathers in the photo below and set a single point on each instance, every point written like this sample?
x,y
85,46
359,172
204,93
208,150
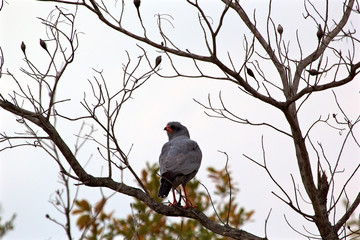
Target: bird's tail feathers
x,y
165,188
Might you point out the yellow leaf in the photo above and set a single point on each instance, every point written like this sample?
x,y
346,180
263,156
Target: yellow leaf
x,y
77,211
249,214
83,221
83,204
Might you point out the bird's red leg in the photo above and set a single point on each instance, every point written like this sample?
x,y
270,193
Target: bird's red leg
x,y
174,197
174,202
187,202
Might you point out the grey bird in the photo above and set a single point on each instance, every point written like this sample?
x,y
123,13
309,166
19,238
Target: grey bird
x,y
179,161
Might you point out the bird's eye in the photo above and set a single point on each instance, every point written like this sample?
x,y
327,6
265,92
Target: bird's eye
x,y
174,128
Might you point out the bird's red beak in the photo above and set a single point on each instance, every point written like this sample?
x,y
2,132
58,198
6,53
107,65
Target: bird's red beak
x,y
168,129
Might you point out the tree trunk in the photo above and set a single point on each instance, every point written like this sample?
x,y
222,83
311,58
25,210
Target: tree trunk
x,y
317,197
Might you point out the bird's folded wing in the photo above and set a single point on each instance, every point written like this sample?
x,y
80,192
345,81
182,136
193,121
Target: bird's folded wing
x,y
181,156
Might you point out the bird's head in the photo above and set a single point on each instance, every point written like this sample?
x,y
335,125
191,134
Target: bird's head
x,y
175,129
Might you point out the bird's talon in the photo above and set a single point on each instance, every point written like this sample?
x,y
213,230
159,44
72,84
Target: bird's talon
x,y
189,205
175,204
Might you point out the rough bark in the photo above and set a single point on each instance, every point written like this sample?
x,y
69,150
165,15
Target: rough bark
x,y
92,181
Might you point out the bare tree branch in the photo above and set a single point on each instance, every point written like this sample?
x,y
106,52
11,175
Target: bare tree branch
x,y
298,80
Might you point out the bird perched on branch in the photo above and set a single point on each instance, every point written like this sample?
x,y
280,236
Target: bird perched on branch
x,y
179,161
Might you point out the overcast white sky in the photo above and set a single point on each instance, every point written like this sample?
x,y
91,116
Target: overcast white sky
x,y
29,177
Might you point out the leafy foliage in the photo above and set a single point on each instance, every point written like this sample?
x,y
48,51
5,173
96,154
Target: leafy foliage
x,y
144,223
7,225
